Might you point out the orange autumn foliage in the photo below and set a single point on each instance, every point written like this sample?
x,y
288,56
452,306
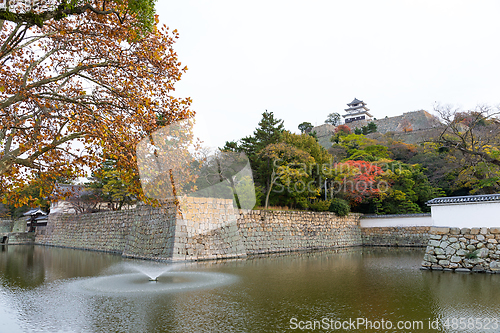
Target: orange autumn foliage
x,y
79,90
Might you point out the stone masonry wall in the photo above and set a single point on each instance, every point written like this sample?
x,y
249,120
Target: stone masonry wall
x,y
151,233
280,231
203,229
207,229
6,225
111,231
463,250
395,236
21,238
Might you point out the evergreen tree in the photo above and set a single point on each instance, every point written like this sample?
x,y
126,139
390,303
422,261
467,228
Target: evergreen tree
x,y
269,131
305,127
333,118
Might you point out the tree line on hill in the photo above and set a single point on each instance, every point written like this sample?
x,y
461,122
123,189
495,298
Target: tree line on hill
x,y
357,173
383,176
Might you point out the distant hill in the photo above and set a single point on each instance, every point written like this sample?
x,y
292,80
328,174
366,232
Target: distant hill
x,y
410,127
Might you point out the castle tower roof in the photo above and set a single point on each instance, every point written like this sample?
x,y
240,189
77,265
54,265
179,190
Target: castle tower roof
x,y
356,101
357,111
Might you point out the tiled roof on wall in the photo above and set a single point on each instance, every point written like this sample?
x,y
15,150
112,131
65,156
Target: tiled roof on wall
x,y
464,199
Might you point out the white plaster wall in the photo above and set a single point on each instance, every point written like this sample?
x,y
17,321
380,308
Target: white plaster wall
x,y
467,215
400,221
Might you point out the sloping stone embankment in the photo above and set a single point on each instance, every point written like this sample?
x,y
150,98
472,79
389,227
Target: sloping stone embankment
x,y
463,250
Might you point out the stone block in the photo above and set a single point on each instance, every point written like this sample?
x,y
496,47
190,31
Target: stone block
x,y
454,231
439,251
474,231
443,262
452,239
495,230
462,270
434,243
495,266
450,251
439,230
478,269
483,253
444,244
480,238
430,258
464,231
484,231
455,259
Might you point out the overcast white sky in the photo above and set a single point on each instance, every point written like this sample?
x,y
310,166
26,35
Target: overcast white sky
x,y
305,59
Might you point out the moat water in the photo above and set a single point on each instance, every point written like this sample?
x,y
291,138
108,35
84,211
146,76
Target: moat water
x,y
45,289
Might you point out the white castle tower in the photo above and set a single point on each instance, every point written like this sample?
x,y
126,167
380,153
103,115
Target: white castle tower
x,y
357,111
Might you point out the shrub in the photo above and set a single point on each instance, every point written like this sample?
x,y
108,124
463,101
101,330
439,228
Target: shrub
x,y
472,254
320,205
340,207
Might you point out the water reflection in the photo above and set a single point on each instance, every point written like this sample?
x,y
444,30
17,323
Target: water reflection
x,y
373,283
21,267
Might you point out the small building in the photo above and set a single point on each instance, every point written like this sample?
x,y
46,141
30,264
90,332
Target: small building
x,y
35,217
357,111
482,211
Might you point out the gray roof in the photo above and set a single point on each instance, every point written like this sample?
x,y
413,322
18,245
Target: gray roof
x,y
355,101
464,199
34,211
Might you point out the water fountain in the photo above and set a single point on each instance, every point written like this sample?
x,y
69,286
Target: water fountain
x,y
136,278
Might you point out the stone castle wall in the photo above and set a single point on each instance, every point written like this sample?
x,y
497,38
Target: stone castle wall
x,y
396,236
203,229
463,250
207,229
417,120
279,231
112,231
6,225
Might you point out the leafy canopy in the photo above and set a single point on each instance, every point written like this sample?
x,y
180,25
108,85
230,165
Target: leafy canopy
x,y
80,87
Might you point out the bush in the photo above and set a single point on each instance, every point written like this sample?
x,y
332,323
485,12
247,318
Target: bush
x,y
340,207
320,205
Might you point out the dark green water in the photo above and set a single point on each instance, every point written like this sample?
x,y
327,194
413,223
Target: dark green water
x,y
59,290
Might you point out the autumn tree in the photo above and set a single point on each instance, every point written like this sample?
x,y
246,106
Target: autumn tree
x,y
476,135
406,126
81,86
356,181
344,129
